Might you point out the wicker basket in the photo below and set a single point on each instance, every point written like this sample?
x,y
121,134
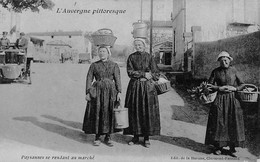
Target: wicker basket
x,y
104,37
162,87
206,99
249,96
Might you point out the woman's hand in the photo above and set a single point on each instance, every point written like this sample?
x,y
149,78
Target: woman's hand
x,y
87,98
210,86
227,88
231,88
148,75
223,89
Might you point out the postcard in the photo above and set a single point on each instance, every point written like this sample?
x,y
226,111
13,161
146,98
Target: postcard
x,y
129,80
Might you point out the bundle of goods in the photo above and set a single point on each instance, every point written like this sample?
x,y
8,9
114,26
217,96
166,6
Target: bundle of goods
x,y
104,37
204,93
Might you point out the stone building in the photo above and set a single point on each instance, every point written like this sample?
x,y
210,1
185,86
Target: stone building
x,y
62,44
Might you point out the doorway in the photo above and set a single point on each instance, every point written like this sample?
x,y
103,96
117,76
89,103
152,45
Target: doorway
x,y
167,58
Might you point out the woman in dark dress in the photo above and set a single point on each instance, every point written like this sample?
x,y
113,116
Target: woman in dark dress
x,y
101,97
141,96
225,123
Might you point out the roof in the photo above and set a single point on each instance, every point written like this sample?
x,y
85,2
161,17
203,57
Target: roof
x,y
164,44
163,24
58,43
240,24
37,40
57,33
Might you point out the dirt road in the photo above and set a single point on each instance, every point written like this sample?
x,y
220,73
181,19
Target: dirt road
x,y
42,122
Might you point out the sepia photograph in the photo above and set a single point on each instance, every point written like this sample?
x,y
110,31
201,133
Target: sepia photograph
x,y
129,80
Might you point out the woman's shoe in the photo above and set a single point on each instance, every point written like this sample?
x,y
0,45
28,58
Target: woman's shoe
x,y
97,142
134,141
232,150
217,151
109,142
232,154
147,143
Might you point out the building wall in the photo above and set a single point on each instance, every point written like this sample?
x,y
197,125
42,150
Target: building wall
x,y
178,16
252,11
214,18
53,53
77,42
258,14
211,15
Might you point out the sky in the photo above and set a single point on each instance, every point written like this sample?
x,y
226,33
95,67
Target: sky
x,y
121,24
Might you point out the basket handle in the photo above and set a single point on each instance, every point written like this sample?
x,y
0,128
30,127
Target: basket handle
x,y
111,32
119,106
251,85
163,76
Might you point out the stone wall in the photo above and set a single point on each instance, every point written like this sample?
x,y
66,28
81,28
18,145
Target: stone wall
x,y
245,50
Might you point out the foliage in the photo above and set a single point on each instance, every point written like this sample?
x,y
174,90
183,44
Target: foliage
x,y
245,50
200,90
22,5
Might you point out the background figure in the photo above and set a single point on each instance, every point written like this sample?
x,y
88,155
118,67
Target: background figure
x,y
62,58
4,41
22,43
141,96
101,97
225,123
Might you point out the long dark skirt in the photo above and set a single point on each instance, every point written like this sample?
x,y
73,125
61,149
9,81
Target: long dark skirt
x,y
225,123
143,108
99,116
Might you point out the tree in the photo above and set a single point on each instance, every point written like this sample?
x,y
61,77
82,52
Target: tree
x,y
22,5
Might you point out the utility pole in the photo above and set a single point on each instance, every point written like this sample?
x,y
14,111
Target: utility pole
x,y
151,29
141,18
